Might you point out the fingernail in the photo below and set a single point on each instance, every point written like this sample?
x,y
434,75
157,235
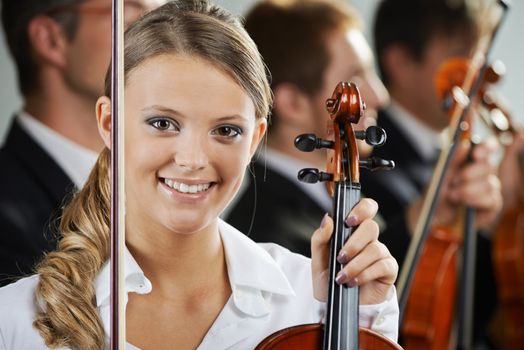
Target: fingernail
x,y
341,277
351,221
353,282
324,220
342,257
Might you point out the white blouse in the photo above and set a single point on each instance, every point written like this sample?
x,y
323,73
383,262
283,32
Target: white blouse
x,y
271,290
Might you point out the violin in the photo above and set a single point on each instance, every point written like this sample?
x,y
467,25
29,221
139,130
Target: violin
x,y
508,263
341,330
508,237
427,284
430,309
508,259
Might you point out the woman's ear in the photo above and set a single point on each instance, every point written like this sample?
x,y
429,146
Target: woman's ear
x,y
103,116
258,135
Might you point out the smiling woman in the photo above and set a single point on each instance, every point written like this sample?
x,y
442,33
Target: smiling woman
x,y
196,101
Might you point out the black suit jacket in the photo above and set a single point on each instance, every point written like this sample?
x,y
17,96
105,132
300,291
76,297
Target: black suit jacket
x,y
394,190
275,209
32,190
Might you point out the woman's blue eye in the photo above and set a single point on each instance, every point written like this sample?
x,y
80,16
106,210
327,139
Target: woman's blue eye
x,y
163,124
228,131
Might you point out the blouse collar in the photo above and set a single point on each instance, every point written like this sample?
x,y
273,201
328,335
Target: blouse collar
x,y
253,274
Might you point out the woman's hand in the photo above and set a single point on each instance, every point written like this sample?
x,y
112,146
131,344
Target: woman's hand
x,y
367,262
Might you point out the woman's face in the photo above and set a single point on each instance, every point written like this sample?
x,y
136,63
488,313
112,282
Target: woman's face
x,y
190,131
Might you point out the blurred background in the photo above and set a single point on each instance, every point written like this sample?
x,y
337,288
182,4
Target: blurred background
x,y
509,48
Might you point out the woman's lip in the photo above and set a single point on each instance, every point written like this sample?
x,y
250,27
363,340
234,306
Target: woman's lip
x,y
187,181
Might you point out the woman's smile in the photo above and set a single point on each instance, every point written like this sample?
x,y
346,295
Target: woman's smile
x,y
185,190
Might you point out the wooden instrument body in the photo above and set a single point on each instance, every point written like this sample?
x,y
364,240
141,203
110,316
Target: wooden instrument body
x,y
310,337
508,258
430,308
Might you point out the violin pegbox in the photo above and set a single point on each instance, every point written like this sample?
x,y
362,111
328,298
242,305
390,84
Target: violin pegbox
x,y
345,107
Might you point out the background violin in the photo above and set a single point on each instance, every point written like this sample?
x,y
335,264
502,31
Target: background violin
x,y
431,306
508,237
431,262
341,330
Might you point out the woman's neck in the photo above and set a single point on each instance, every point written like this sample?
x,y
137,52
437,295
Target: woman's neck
x,y
179,263
188,273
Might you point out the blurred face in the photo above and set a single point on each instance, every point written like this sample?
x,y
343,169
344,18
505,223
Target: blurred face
x,y
420,91
190,133
89,52
351,60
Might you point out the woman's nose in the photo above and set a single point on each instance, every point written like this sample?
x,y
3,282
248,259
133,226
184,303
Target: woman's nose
x,y
193,155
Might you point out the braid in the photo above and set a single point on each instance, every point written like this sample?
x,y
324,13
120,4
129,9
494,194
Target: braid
x,y
68,314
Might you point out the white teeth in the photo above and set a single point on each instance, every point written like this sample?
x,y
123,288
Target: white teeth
x,y
185,188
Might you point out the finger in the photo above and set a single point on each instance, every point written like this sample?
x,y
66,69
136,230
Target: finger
x,y
383,271
485,150
320,245
373,252
366,208
482,194
474,172
366,233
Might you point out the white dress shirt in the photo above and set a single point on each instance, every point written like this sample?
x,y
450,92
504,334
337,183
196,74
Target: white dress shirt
x,y
271,290
75,160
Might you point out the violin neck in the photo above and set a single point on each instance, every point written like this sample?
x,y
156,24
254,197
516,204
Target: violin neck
x,y
467,282
341,331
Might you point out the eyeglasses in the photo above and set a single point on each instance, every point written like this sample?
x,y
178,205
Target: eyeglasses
x,y
133,10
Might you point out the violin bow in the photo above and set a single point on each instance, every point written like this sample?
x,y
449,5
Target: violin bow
x,y
471,85
117,319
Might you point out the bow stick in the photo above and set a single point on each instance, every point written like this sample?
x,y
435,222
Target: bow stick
x,y
117,321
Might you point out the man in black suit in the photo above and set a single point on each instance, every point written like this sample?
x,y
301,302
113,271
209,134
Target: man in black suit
x,y
61,49
410,47
309,47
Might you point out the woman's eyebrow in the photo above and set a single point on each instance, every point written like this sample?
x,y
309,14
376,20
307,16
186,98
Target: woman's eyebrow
x,y
231,117
158,108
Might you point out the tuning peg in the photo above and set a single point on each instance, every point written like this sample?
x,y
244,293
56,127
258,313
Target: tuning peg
x,y
375,163
374,136
312,175
309,142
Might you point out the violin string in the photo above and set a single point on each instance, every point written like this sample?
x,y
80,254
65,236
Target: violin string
x,y
333,287
340,238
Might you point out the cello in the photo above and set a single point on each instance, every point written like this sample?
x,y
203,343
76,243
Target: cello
x,y
341,330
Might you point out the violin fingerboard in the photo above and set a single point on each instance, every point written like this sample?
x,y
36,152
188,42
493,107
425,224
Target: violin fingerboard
x,y
342,309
